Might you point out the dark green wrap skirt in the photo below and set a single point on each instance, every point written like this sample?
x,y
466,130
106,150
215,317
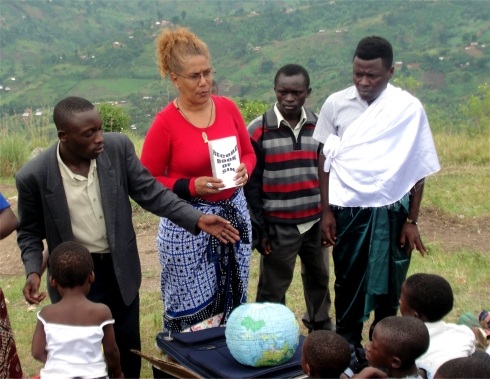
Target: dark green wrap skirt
x,y
370,265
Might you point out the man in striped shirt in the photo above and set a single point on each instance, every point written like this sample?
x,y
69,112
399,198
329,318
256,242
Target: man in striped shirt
x,y
284,196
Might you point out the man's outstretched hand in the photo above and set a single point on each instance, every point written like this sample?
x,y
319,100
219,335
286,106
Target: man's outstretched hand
x,y
219,228
31,289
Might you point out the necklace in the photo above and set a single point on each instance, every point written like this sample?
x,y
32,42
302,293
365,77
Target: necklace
x,y
204,135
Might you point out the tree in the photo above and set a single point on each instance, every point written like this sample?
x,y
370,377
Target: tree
x,y
477,111
266,66
182,15
311,63
408,83
251,109
114,119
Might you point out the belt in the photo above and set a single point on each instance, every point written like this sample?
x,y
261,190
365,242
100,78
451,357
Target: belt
x,y
100,256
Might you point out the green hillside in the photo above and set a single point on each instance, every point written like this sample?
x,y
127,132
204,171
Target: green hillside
x,y
58,48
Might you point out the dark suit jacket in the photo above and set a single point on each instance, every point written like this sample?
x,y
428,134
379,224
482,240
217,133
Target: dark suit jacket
x,y
43,209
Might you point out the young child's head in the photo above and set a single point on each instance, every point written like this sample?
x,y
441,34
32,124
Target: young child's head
x,y
325,355
426,296
397,343
467,367
70,264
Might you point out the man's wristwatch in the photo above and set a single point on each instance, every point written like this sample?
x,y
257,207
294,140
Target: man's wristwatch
x,y
410,221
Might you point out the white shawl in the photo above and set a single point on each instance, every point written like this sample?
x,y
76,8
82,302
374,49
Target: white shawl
x,y
382,154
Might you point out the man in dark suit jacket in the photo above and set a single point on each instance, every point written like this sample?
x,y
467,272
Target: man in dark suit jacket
x,y
59,192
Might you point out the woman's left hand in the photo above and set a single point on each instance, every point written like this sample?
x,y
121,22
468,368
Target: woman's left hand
x,y
241,178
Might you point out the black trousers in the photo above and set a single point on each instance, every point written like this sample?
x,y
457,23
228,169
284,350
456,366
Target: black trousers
x,y
126,326
127,318
277,270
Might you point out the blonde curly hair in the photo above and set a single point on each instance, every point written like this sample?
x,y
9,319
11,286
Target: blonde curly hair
x,y
174,46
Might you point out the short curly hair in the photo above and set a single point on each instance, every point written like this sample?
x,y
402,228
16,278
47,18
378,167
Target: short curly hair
x,y
467,367
174,47
429,295
374,47
293,70
66,108
70,264
404,337
327,354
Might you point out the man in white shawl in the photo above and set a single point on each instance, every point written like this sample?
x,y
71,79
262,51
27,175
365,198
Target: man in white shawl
x,y
378,148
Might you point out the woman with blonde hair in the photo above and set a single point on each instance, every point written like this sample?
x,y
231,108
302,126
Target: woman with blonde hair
x,y
202,280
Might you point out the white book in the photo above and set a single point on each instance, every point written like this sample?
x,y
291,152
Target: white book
x,y
224,159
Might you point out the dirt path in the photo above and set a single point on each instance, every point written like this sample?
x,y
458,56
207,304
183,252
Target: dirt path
x,y
453,233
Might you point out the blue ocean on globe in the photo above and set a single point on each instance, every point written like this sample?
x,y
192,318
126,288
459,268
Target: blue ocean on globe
x,y
262,334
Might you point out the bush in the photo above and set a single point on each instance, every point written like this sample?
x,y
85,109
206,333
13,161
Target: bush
x,y
114,119
251,109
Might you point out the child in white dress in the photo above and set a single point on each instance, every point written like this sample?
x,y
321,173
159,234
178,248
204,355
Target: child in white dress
x,y
69,334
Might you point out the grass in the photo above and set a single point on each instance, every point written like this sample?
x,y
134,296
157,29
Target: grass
x,y
469,281
13,155
460,188
18,136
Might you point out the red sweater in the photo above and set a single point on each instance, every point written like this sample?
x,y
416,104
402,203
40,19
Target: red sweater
x,y
175,145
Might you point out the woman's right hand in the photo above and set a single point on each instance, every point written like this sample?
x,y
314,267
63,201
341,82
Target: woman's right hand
x,y
207,185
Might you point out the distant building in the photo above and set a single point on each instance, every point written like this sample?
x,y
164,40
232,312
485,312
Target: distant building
x,y
321,31
13,79
116,45
398,64
217,20
7,88
257,48
38,113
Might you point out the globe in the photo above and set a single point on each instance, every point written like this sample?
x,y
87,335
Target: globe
x,y
262,334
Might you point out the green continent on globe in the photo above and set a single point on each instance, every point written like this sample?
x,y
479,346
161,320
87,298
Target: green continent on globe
x,y
275,357
250,324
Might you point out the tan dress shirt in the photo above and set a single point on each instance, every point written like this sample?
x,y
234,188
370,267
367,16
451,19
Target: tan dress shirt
x,y
85,206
